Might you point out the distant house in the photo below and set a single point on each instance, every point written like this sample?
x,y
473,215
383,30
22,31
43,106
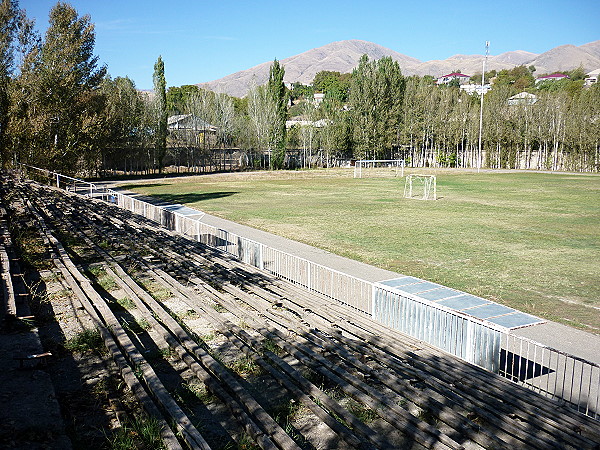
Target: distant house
x,y
186,129
446,79
299,122
189,122
318,98
592,77
475,88
553,77
523,98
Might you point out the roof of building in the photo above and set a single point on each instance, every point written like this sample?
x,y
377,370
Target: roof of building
x,y
553,76
523,95
188,121
479,309
455,74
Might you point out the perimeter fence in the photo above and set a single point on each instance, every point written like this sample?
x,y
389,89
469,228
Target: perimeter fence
x,y
549,371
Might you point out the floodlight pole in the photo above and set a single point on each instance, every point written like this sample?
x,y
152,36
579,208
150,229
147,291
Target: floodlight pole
x,y
479,155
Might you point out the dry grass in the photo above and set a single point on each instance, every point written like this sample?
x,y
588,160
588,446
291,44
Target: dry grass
x,y
527,240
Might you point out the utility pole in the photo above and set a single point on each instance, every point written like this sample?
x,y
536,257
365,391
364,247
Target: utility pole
x,y
479,153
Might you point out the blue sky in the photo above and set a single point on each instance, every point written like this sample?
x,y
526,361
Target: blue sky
x,y
205,40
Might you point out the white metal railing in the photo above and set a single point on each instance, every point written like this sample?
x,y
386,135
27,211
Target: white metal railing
x,y
549,371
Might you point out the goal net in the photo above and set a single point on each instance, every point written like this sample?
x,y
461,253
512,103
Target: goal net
x,y
366,168
423,187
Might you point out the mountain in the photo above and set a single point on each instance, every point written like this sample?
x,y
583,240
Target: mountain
x,y
568,57
516,58
340,56
592,47
343,56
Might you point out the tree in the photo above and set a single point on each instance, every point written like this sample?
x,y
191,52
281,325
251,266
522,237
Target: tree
x,y
518,78
160,111
22,128
276,90
336,134
262,114
177,97
224,118
376,96
123,119
58,108
9,15
201,106
476,78
21,46
301,91
334,85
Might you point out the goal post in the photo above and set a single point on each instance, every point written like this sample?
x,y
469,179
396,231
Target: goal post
x,y
364,168
422,187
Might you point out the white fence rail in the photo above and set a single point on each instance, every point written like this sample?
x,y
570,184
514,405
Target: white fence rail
x,y
552,373
549,371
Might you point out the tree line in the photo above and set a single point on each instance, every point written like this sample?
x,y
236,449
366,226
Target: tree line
x,y
60,109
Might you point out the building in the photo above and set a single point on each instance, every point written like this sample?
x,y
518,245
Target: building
x,y
186,129
475,88
318,98
522,98
298,122
592,77
447,79
189,122
553,77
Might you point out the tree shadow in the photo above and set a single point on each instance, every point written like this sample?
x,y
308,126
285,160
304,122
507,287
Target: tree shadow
x,y
193,197
141,185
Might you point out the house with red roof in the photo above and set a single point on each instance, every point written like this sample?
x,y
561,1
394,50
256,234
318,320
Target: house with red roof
x,y
553,77
446,79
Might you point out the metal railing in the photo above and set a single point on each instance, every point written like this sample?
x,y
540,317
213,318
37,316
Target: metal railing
x,y
549,371
552,373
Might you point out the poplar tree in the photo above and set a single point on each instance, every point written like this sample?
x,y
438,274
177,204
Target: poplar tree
x,y
276,89
262,115
160,105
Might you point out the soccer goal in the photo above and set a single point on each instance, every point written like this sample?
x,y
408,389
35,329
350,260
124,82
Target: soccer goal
x,y
423,187
379,168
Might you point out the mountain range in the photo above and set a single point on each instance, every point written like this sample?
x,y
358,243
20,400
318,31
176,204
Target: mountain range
x,y
343,56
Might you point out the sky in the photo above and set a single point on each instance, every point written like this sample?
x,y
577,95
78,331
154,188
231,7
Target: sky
x,y
204,40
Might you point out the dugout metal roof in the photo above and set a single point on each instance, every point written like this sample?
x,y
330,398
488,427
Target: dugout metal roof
x,y
183,210
471,305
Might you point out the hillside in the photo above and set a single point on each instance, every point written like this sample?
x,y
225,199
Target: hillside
x,y
343,56
339,56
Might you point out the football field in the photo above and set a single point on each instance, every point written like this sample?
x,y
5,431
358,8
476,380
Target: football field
x,y
527,240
